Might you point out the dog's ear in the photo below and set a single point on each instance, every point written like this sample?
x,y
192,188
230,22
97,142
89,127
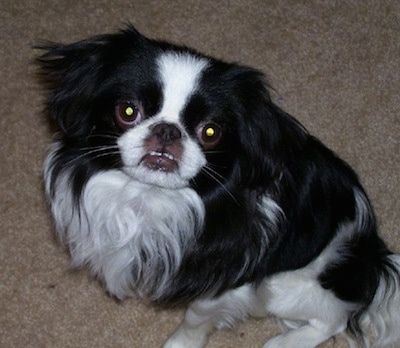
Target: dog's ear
x,y
73,75
69,73
269,136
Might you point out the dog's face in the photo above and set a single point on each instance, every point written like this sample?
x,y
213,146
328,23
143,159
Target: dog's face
x,y
166,144
165,115
173,129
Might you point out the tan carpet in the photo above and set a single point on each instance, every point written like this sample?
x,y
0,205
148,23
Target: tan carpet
x,y
335,66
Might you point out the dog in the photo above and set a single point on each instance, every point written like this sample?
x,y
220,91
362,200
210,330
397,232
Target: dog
x,y
174,177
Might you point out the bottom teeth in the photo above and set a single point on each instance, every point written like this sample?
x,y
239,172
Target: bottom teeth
x,y
162,154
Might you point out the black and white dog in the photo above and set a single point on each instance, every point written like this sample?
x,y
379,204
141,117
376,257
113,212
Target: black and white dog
x,y
174,177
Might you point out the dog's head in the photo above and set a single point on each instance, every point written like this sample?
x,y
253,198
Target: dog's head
x,y
164,114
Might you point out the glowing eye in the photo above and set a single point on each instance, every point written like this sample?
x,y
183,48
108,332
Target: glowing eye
x,y
210,132
209,135
128,114
129,111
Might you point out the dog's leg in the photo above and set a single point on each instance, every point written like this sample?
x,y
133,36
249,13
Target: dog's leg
x,y
194,329
297,296
307,336
203,316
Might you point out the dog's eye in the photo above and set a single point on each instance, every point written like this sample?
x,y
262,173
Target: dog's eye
x,y
128,114
209,135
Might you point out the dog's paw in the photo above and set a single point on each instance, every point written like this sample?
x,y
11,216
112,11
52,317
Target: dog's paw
x,y
186,339
280,341
276,342
183,343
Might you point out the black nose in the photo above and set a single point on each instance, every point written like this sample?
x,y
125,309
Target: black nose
x,y
166,132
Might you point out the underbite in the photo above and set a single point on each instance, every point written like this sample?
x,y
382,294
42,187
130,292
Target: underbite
x,y
160,161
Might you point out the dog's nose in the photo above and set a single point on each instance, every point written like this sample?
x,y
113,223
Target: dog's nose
x,y
166,132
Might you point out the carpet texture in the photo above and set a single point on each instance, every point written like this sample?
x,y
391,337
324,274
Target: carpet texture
x,y
334,65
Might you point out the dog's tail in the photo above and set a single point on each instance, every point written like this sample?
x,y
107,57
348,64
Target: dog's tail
x,y
382,318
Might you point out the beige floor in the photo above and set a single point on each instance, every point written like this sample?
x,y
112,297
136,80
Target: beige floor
x,y
335,66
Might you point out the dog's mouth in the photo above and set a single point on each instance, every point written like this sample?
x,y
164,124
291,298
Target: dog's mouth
x,y
161,154
160,161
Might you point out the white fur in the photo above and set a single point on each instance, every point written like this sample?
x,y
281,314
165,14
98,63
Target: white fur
x,y
120,220
205,315
179,74
274,213
383,316
313,313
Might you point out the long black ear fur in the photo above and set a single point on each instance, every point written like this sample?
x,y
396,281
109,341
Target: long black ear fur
x,y
73,73
70,73
270,136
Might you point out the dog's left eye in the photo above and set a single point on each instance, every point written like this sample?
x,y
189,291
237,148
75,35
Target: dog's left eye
x,y
128,114
209,135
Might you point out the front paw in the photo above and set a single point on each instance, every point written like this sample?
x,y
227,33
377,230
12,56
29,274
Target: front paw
x,y
278,342
287,341
186,339
273,343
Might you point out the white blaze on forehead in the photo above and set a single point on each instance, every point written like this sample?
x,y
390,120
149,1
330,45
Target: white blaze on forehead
x,y
179,73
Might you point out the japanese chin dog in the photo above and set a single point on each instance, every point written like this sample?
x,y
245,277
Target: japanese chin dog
x,y
176,178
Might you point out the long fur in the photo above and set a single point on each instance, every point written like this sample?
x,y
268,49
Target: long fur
x,y
264,211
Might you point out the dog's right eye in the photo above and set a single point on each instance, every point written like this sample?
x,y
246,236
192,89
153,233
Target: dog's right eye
x,y
128,114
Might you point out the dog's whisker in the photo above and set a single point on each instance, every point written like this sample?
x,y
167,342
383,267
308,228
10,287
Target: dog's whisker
x,y
96,153
213,165
214,172
214,151
105,136
98,148
214,175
